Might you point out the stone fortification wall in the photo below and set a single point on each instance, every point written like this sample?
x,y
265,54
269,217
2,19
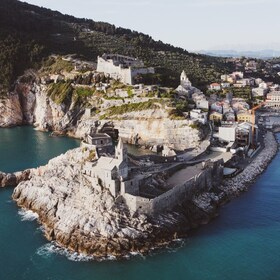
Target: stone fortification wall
x,y
207,179
115,71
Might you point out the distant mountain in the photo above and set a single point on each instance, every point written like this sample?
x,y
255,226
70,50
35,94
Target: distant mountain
x,y
29,33
264,54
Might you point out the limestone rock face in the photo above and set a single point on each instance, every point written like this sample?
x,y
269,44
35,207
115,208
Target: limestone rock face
x,y
92,222
75,214
29,104
10,111
150,131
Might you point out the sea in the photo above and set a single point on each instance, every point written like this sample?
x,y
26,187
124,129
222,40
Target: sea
x,y
243,242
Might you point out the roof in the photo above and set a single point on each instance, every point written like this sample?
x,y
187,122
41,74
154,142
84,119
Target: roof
x,y
215,84
243,113
108,163
215,113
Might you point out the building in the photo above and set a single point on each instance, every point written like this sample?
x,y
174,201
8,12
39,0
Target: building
x,y
215,117
122,67
198,115
108,172
273,99
244,134
202,104
215,86
185,88
99,139
217,107
245,116
185,82
259,92
238,104
241,134
275,87
225,85
258,81
229,116
238,75
227,133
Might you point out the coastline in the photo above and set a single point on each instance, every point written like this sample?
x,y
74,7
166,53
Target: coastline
x,y
161,230
249,175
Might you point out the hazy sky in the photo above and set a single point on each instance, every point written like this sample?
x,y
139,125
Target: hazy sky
x,y
191,24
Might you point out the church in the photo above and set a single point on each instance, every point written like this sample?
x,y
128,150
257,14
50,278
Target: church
x,y
112,173
185,88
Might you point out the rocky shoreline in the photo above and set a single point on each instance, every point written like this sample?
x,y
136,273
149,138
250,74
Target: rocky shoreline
x,y
77,217
240,183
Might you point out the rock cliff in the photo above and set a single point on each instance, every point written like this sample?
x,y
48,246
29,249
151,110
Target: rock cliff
x,y
150,131
77,216
84,220
30,103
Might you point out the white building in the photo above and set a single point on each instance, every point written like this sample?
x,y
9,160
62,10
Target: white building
x,y
227,133
202,104
273,99
109,173
215,86
185,88
259,91
225,85
198,115
122,67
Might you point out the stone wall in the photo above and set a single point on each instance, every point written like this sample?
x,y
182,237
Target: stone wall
x,y
207,179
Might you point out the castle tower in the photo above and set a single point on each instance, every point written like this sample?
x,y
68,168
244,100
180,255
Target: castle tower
x,y
121,151
185,82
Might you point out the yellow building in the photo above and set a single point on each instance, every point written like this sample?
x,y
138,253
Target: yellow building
x,y
245,116
215,116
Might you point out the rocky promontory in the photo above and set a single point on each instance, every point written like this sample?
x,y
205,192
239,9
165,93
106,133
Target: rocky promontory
x,y
77,216
83,219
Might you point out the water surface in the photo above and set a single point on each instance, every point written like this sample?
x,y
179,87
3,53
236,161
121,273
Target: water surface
x,y
242,243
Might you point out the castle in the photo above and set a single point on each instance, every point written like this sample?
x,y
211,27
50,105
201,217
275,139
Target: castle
x,y
122,67
136,190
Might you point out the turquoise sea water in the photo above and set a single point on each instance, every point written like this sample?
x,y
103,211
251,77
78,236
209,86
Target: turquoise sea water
x,y
242,243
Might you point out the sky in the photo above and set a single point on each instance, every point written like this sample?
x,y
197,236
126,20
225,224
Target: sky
x,y
191,24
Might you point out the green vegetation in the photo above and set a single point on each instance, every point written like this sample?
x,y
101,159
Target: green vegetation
x,y
60,92
132,107
29,33
84,91
92,156
195,126
56,66
244,92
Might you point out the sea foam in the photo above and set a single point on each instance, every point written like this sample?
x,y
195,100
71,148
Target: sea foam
x,y
28,215
52,248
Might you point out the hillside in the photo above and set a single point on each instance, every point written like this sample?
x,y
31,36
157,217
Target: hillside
x,y
29,33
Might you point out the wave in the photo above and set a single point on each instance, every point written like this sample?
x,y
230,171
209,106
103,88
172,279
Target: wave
x,y
28,215
52,248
